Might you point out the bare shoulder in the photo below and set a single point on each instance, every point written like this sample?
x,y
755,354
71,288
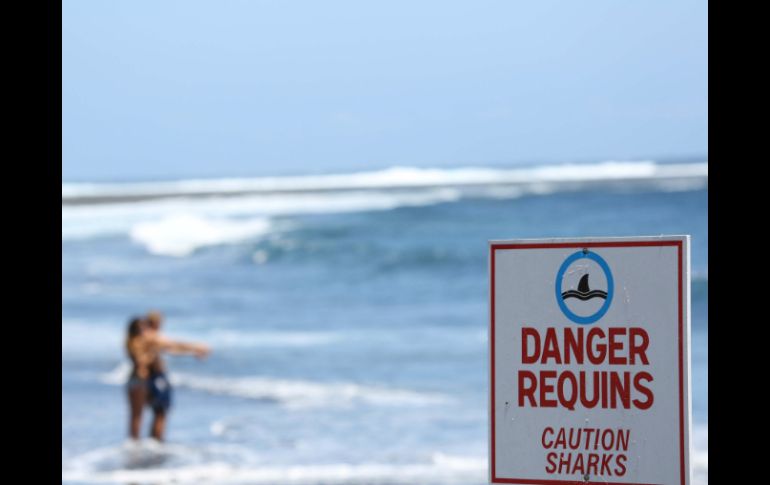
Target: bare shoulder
x,y
153,338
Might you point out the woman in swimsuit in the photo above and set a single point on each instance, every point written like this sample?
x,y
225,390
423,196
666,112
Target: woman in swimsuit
x,y
137,383
144,345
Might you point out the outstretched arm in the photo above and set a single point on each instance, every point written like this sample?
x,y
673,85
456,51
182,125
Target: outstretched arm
x,y
176,347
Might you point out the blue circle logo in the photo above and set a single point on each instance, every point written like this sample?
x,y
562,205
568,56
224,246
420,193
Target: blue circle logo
x,y
586,305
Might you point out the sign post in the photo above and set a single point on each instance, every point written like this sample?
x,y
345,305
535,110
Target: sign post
x,y
590,361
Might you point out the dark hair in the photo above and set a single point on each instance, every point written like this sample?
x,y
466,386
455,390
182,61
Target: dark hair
x,y
135,326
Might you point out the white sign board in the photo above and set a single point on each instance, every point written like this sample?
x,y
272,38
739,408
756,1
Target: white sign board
x,y
590,361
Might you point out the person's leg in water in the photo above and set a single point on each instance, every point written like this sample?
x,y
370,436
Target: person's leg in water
x,y
158,424
137,398
160,401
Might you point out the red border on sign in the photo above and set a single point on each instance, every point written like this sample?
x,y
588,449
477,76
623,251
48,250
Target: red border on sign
x,y
493,248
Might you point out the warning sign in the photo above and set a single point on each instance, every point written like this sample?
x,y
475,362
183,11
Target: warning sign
x,y
589,361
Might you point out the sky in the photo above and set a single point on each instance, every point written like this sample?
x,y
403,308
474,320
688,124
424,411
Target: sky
x,y
180,89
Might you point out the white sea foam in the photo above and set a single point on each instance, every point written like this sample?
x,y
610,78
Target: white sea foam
x,y
294,394
147,462
395,177
182,220
335,473
177,227
183,234
305,394
151,462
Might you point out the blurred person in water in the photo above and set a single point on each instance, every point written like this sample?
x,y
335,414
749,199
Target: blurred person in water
x,y
148,382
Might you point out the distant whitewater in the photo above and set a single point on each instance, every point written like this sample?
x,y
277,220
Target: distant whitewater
x,y
177,218
391,178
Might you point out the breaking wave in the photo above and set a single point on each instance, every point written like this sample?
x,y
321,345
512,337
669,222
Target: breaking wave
x,y
177,218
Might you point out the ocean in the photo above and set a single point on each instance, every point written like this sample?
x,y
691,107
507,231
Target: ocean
x,y
347,314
